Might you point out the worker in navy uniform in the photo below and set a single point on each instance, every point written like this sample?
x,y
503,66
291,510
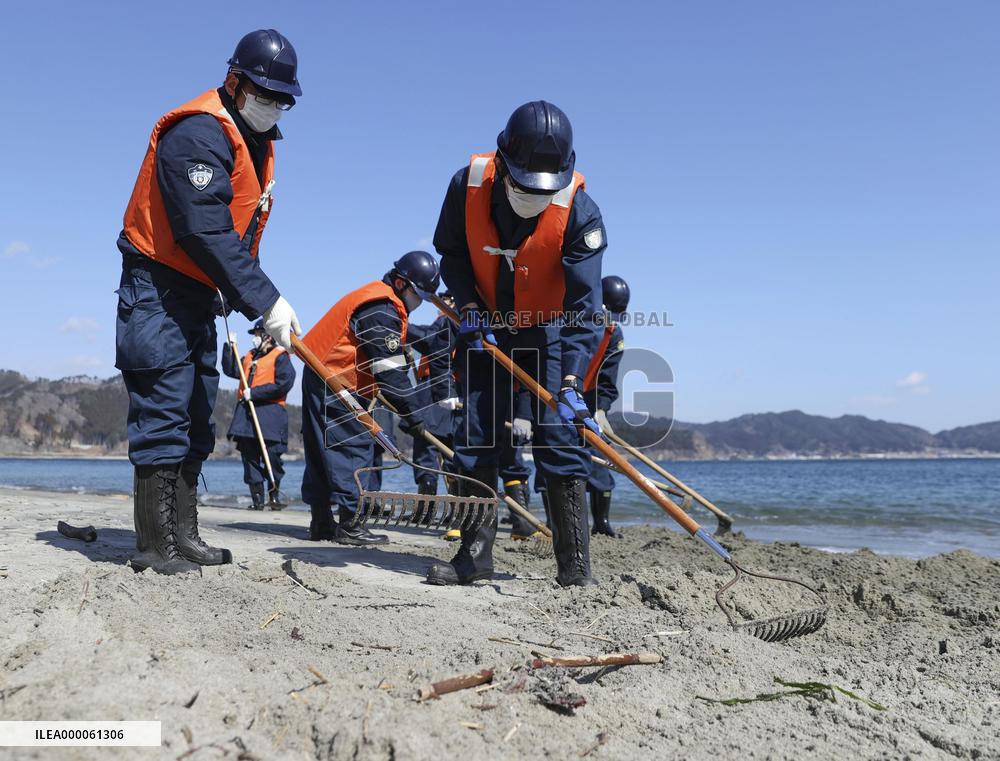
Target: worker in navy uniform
x,y
360,340
600,386
268,369
521,243
193,225
435,391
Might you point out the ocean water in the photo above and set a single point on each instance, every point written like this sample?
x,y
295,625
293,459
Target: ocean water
x,y
906,507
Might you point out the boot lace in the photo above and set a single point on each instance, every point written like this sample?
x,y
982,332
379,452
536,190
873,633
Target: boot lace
x,y
167,513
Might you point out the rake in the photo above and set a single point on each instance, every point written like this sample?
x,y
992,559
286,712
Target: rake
x,y
543,534
772,629
401,508
725,521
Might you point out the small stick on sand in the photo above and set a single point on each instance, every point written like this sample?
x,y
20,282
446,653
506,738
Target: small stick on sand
x,y
271,620
454,684
374,647
315,672
616,659
511,732
665,634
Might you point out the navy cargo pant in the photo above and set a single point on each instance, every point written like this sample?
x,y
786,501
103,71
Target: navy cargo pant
x,y
480,434
254,468
335,445
165,347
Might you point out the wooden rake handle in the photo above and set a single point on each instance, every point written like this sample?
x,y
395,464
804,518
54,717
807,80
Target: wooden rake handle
x,y
343,392
685,521
724,518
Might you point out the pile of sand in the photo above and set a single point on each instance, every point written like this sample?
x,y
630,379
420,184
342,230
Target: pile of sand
x,y
244,660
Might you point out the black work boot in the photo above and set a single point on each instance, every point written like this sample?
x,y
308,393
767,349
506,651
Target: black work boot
x,y
600,508
256,497
155,512
545,506
474,559
520,529
189,542
321,524
355,534
570,533
274,501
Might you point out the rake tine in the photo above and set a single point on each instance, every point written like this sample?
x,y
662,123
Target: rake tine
x,y
361,514
446,510
401,515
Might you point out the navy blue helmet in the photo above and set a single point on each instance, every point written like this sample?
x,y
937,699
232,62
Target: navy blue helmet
x,y
537,147
615,293
258,327
420,270
267,59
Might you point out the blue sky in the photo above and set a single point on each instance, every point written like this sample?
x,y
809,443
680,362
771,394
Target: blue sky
x,y
811,191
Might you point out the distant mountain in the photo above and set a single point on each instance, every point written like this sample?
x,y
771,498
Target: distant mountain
x,y
796,434
84,415
985,437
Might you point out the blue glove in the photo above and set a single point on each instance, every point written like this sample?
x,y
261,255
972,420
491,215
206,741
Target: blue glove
x,y
474,327
573,409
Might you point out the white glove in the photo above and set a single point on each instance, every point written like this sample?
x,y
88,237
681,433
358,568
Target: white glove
x,y
601,418
522,431
232,337
280,321
452,403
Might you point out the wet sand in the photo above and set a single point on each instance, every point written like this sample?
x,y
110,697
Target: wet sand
x,y
242,662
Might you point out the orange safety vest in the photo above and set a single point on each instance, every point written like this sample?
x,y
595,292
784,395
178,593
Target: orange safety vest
x,y
590,378
263,374
146,224
539,279
333,341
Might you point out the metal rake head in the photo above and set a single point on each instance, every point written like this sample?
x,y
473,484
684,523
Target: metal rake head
x,y
433,510
775,628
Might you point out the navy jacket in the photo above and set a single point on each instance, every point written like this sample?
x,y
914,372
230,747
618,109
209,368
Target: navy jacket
x,y
379,329
581,264
200,219
272,416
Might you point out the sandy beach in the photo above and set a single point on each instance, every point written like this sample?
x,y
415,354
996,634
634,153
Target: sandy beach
x,y
301,650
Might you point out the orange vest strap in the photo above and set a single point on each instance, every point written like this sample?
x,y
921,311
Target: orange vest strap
x,y
590,378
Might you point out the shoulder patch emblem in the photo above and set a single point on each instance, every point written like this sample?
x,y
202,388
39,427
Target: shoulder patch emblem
x,y
594,238
621,344
392,343
200,175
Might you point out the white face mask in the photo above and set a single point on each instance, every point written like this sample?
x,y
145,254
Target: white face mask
x,y
258,116
256,341
525,205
